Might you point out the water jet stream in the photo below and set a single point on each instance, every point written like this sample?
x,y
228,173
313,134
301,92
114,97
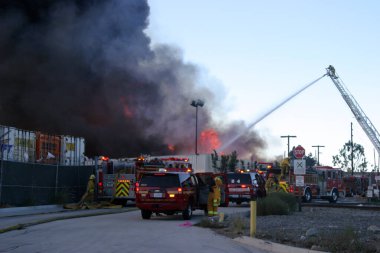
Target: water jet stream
x,y
227,144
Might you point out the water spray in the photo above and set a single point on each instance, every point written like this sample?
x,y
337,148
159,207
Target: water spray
x,y
228,143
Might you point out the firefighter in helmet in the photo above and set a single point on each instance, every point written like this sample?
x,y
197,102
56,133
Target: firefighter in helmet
x,y
88,196
214,197
271,183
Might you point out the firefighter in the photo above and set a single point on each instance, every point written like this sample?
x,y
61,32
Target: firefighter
x,y
214,197
271,184
88,196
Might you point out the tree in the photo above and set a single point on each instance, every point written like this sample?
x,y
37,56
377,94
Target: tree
x,y
343,159
242,162
224,163
214,159
232,162
310,160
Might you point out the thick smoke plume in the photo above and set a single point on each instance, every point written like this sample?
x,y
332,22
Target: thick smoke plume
x,y
85,68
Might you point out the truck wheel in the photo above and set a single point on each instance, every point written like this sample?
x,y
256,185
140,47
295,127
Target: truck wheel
x,y
145,214
334,196
188,212
307,197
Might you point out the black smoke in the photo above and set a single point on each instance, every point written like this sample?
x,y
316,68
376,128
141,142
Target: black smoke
x,y
86,68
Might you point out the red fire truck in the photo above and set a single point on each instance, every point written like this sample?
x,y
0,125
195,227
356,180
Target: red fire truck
x,y
116,179
322,182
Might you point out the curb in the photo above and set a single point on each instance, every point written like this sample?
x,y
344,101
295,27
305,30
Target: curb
x,y
272,247
46,220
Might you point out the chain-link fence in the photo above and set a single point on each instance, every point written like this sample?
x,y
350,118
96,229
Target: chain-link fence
x,y
26,184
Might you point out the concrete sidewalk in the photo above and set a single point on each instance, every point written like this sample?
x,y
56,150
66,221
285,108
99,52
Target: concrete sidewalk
x,y
29,210
21,217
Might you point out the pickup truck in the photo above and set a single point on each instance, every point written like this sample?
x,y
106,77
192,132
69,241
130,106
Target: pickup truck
x,y
173,192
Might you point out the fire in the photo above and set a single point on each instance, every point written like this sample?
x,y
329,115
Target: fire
x,y
127,111
171,147
209,140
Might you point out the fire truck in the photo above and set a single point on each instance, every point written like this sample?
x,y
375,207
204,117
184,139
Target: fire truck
x,y
320,182
116,178
356,185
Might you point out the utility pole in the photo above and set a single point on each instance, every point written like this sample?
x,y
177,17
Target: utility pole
x,y
288,136
318,146
352,152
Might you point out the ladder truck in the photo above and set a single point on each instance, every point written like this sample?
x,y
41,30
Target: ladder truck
x,y
359,114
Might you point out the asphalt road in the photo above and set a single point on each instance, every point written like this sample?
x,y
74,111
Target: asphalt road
x,y
125,231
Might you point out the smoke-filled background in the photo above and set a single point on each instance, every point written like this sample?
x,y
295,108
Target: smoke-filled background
x,y
85,68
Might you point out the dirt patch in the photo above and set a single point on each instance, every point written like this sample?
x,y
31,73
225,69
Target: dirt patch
x,y
317,228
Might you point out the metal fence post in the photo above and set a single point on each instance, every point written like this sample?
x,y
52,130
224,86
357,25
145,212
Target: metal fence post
x,y
56,182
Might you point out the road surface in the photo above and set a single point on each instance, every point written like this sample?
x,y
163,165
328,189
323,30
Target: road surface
x,y
121,232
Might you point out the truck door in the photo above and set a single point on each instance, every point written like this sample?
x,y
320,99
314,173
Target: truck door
x,y
204,181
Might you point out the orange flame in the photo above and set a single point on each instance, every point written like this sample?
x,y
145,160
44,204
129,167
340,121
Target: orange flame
x,y
209,140
127,111
171,147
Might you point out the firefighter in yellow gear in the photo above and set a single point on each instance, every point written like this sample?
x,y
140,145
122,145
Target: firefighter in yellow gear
x,y
271,185
214,197
88,196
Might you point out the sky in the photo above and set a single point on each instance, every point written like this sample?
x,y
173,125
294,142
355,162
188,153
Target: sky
x,y
254,54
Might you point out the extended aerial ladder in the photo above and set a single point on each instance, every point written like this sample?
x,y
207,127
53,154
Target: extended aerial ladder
x,y
360,116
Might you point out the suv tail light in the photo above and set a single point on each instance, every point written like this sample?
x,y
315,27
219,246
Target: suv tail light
x,y
137,188
291,188
100,182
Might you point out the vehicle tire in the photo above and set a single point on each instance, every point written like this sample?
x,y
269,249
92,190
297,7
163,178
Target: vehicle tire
x,y
145,214
238,202
188,212
307,197
334,196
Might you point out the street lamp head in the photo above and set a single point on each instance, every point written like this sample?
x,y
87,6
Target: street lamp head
x,y
197,103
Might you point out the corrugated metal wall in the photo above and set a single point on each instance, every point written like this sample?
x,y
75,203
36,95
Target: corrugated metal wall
x,y
33,146
26,184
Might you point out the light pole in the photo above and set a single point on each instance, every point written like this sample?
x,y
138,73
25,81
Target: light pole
x,y
196,104
318,146
288,136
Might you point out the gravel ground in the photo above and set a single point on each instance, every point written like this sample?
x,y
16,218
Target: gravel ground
x,y
318,228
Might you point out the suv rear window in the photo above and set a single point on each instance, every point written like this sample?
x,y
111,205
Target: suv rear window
x,y
160,180
237,178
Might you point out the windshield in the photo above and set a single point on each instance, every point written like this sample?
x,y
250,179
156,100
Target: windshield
x,y
160,180
237,178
